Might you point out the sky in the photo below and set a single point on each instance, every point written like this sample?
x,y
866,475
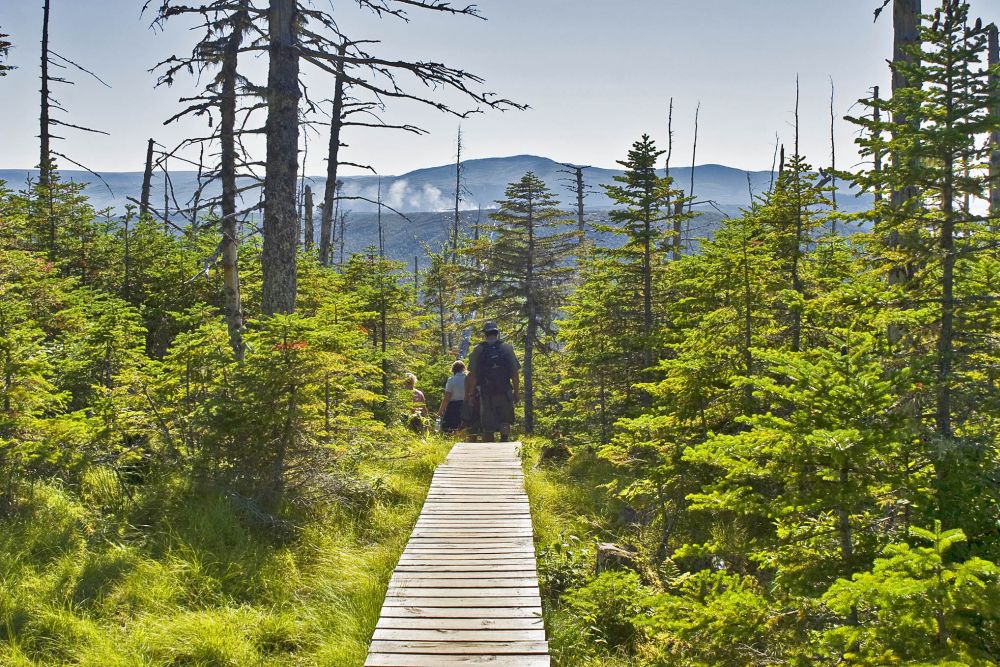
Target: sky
x,y
597,74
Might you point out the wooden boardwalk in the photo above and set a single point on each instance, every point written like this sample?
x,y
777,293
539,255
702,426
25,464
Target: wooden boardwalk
x,y
465,590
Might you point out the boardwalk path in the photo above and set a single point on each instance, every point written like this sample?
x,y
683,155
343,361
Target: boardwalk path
x,y
465,591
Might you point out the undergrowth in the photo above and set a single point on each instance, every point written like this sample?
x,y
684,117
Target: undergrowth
x,y
162,574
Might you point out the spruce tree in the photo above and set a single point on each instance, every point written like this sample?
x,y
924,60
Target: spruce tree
x,y
943,163
522,271
643,202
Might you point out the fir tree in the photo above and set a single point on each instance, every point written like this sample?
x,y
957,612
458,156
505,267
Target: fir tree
x,y
525,271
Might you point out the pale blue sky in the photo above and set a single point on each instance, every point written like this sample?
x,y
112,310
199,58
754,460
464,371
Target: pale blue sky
x,y
597,74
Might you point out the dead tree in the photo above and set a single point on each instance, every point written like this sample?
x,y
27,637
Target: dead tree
x,y
225,25
327,217
147,180
677,212
833,155
578,187
5,47
281,163
906,36
994,63
48,104
307,226
456,222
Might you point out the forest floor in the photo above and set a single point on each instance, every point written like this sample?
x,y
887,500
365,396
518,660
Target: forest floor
x,y
159,574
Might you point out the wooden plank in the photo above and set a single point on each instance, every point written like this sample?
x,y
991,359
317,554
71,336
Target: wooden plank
x,y
413,583
463,635
465,590
401,590
422,660
460,648
520,623
461,612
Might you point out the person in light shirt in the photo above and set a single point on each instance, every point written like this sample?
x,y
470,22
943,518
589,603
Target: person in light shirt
x,y
453,401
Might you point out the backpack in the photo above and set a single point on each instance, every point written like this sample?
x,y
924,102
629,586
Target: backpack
x,y
493,368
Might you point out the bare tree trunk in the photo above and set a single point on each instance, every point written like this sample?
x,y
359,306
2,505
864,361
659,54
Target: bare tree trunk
x,y
994,61
229,225
307,223
678,206
531,334
341,235
45,156
456,223
147,181
833,156
694,158
877,157
796,250
282,130
381,232
166,197
328,219
906,22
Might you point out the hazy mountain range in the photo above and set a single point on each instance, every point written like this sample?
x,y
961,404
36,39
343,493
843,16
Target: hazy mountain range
x,y
427,196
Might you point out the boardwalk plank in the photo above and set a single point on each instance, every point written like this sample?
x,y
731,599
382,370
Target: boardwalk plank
x,y
465,590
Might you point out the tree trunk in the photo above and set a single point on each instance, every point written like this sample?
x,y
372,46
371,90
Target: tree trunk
x,y
281,167
797,249
456,223
747,328
45,156
307,222
580,224
906,22
994,61
532,330
229,225
327,222
647,288
678,218
147,181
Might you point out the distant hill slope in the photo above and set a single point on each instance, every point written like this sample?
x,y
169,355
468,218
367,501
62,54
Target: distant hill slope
x,y
433,189
426,196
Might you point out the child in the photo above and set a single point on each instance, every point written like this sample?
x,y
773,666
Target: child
x,y
453,401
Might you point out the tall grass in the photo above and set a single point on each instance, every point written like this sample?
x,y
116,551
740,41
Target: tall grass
x,y
163,575
569,515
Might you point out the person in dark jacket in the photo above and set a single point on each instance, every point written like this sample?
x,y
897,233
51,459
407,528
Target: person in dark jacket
x,y
495,382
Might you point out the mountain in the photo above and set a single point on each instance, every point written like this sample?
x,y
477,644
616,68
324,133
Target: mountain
x,y
433,189
427,196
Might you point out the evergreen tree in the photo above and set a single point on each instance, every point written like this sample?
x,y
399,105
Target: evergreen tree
x,y
522,273
943,164
643,202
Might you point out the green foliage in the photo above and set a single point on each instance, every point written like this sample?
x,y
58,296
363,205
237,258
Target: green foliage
x,y
915,605
609,606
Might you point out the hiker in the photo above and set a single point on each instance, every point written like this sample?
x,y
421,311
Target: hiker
x,y
452,411
493,375
418,404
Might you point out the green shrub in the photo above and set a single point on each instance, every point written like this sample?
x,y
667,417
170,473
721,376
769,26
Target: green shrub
x,y
562,565
611,606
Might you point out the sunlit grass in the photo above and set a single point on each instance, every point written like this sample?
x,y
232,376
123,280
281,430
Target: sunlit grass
x,y
183,579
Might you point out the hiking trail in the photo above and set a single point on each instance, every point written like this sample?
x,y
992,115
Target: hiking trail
x,y
465,590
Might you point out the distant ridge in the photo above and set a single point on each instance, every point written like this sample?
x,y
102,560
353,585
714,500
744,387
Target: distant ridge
x,y
432,189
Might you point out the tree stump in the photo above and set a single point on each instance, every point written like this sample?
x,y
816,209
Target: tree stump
x,y
614,557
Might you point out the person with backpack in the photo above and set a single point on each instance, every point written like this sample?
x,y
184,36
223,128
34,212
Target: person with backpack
x,y
493,375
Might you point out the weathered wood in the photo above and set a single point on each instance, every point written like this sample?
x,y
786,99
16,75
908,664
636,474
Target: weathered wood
x,y
465,590
421,660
